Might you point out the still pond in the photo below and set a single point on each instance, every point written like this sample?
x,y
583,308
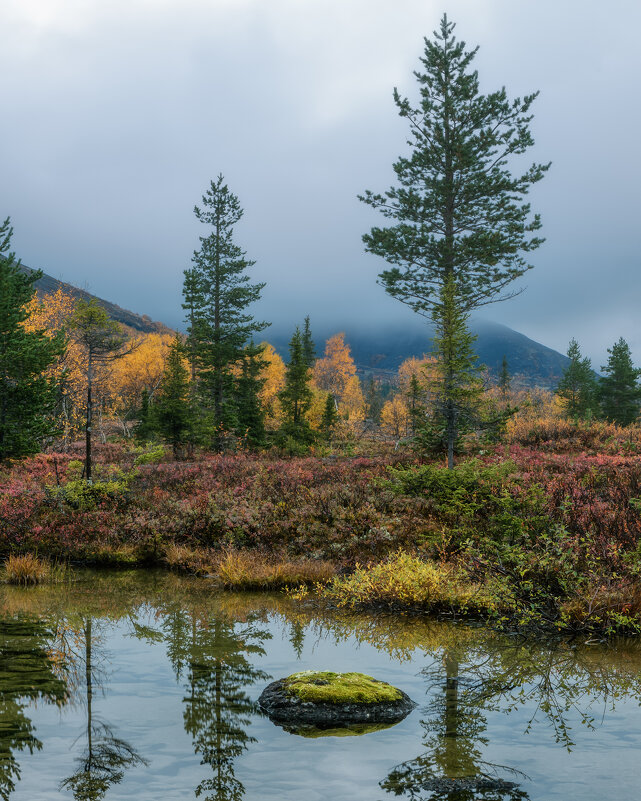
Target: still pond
x,y
138,685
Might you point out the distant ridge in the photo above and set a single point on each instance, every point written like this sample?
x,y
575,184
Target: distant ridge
x,y
48,285
379,351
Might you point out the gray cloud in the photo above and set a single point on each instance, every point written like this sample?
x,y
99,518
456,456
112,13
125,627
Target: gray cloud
x,y
116,115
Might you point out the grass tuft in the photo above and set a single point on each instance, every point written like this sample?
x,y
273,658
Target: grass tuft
x,y
29,569
247,570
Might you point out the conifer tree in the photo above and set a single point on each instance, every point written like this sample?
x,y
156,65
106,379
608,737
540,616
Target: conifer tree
x,y
27,394
172,412
458,214
457,390
309,349
296,396
217,292
330,417
416,405
144,426
505,380
577,389
250,411
619,389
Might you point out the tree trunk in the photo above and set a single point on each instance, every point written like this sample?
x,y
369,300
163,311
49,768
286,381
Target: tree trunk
x,y
89,685
89,421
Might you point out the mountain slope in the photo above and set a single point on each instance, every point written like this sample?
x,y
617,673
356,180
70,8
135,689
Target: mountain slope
x,y
47,285
379,351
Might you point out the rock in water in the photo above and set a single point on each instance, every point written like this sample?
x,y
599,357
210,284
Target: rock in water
x,y
322,699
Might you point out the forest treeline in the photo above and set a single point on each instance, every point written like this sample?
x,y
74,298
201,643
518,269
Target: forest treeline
x,y
158,387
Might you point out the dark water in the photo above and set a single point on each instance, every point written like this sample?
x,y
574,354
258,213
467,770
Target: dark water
x,y
144,686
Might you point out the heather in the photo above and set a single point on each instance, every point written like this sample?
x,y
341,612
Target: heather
x,y
544,537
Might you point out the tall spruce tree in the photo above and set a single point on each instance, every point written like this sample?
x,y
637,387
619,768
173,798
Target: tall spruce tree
x,y
577,389
416,405
619,389
296,396
330,418
458,211
309,349
27,394
217,293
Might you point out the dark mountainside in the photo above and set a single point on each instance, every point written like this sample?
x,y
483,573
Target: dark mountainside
x,y
379,352
47,285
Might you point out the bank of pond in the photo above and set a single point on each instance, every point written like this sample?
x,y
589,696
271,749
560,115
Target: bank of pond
x,y
145,684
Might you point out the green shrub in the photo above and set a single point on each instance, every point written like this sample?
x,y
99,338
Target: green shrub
x,y
476,501
155,455
84,496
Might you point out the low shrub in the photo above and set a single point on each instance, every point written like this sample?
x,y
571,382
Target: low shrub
x,y
476,501
84,496
404,581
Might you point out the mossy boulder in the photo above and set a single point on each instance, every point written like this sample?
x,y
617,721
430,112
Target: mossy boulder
x,y
325,699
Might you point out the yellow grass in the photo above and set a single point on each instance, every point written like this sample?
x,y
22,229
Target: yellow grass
x,y
245,570
405,581
27,569
193,560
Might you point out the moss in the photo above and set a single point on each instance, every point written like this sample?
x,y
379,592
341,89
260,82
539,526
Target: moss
x,y
339,688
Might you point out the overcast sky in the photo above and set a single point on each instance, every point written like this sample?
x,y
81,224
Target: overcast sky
x,y
117,114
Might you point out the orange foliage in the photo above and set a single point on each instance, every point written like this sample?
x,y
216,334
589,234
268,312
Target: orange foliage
x,y
536,407
334,370
141,369
336,373
395,414
51,314
424,369
395,417
274,375
351,405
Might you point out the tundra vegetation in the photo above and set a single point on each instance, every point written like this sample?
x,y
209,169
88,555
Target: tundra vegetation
x,y
445,489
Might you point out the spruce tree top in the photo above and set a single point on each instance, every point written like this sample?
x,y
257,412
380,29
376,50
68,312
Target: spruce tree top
x,y
217,288
458,208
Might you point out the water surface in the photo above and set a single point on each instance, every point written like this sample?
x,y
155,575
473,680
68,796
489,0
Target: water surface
x,y
138,685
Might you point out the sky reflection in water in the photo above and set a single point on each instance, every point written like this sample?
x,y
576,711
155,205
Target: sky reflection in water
x,y
144,686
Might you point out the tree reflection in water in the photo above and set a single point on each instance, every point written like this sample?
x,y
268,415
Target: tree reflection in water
x,y
105,756
451,769
211,653
479,671
214,642
26,674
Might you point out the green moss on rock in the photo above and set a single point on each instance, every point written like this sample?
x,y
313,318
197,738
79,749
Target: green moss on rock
x,y
326,687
